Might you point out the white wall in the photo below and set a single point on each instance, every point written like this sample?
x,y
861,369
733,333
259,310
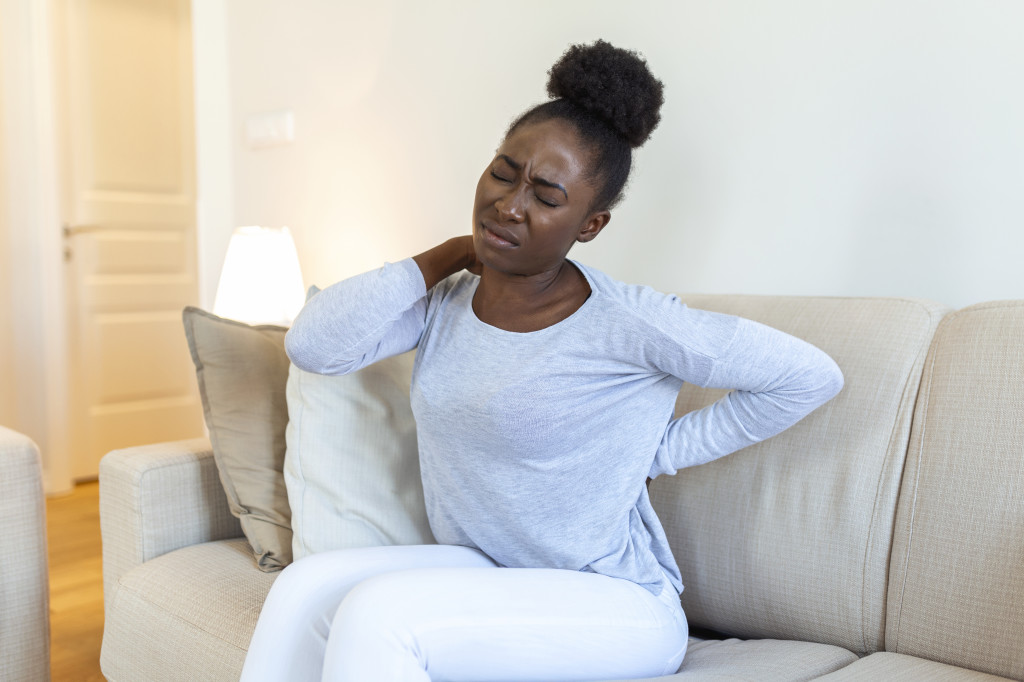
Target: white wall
x,y
7,398
844,148
35,388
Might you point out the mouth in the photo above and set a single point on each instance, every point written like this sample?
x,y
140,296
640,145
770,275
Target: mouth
x,y
499,236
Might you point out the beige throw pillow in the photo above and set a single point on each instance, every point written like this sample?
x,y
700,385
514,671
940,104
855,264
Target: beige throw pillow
x,y
242,372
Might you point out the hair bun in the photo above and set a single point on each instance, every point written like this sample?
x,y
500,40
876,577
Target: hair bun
x,y
612,84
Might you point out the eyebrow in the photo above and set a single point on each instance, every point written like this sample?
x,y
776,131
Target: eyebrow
x,y
540,181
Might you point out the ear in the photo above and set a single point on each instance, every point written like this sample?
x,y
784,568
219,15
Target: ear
x,y
593,226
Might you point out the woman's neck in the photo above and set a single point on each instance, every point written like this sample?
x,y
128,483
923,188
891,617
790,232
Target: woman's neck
x,y
528,303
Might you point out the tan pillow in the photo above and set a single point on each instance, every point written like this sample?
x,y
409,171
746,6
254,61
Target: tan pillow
x,y
243,373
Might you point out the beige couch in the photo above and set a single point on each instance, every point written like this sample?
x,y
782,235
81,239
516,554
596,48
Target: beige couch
x,y
24,581
882,538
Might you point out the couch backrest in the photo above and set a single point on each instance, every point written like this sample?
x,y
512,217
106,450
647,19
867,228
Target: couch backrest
x,y
790,538
956,592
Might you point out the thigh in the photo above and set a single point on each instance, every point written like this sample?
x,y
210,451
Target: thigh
x,y
295,620
506,624
328,576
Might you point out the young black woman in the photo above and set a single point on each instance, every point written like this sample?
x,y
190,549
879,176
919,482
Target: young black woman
x,y
543,392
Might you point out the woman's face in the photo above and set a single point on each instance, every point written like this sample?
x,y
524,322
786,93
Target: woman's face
x,y
533,200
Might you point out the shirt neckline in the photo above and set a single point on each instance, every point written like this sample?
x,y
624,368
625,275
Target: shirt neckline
x,y
537,332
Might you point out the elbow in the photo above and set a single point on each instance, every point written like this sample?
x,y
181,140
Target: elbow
x,y
313,357
298,351
303,343
833,380
819,381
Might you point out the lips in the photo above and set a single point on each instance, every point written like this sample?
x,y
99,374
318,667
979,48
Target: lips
x,y
498,235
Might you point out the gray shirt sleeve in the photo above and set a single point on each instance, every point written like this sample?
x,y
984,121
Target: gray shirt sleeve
x,y
359,320
777,380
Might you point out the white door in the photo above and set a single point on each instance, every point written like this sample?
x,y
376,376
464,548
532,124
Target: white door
x,y
125,97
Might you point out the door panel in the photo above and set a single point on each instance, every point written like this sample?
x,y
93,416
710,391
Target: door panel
x,y
126,345
130,207
124,252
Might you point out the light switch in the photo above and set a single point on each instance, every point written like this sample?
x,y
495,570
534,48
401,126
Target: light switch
x,y
270,129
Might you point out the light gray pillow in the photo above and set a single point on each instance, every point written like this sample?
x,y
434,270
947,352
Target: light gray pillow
x,y
242,372
352,465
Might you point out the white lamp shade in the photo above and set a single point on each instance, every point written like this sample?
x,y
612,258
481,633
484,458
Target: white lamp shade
x,y
261,282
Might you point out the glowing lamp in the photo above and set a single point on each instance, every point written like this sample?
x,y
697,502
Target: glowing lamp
x,y
261,282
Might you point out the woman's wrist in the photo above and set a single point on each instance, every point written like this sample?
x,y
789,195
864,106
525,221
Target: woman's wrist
x,y
443,260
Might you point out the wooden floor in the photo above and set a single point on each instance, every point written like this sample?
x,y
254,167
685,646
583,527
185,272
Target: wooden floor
x,y
76,584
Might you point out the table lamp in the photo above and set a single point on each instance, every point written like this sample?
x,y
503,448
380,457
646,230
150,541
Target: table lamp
x,y
261,282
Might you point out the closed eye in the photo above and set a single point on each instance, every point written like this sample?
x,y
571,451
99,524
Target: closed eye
x,y
499,178
546,202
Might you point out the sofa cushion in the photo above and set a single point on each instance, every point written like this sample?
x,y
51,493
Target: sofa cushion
x,y
352,467
898,668
957,588
764,660
789,539
187,615
242,372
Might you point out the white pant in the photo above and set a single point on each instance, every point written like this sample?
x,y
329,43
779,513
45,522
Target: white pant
x,y
437,612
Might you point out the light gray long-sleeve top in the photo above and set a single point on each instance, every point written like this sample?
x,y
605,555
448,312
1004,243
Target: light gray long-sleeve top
x,y
535,447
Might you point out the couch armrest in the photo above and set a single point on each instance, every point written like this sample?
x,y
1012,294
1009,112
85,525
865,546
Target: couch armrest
x,y
24,584
158,498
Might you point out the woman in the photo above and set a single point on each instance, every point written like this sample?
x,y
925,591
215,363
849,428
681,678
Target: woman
x,y
543,392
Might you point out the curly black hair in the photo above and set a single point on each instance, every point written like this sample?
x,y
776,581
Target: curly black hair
x,y
611,98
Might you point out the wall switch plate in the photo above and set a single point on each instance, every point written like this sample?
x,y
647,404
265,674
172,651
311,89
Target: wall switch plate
x,y
270,129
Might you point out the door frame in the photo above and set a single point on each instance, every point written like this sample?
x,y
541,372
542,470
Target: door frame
x,y
32,136
31,155
215,217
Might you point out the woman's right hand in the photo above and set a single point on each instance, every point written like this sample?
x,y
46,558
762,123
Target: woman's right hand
x,y
447,258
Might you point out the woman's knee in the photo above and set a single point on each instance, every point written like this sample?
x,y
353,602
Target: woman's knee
x,y
306,590
323,579
302,575
375,605
372,636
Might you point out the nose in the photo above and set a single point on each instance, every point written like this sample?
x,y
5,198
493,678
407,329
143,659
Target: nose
x,y
510,205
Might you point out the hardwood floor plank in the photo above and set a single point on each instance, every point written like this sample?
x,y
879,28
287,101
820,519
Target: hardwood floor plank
x,y
76,584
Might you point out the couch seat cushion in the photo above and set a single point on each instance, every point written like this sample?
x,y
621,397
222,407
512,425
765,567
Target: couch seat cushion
x,y
763,660
902,668
186,615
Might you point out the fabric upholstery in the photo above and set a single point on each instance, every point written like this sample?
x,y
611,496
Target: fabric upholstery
x,y
957,588
242,372
790,542
758,660
352,467
789,539
24,586
898,668
185,616
155,499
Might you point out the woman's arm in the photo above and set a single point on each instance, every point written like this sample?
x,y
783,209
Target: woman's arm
x,y
362,319
777,380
